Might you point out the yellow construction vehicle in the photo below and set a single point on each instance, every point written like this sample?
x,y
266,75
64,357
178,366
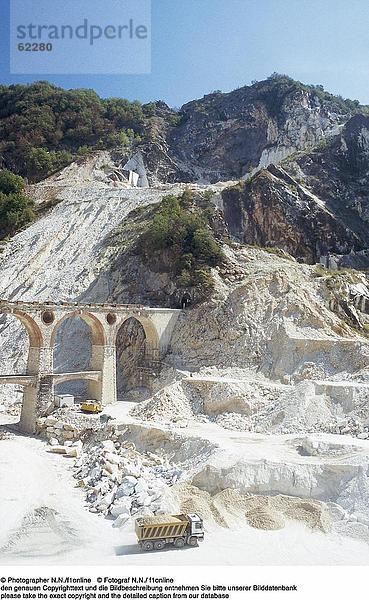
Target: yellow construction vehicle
x,y
153,533
91,406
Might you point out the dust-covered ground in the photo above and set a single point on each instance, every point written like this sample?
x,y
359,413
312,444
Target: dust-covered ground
x,y
240,483
44,522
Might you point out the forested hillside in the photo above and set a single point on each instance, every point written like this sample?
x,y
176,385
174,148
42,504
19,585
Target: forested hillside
x,y
43,127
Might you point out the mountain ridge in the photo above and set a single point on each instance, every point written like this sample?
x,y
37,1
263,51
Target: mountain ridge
x,y
221,136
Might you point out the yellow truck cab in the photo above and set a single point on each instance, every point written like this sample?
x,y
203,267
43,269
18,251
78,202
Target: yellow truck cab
x,y
157,531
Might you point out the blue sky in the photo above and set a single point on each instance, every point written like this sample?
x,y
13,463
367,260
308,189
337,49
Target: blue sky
x,y
202,45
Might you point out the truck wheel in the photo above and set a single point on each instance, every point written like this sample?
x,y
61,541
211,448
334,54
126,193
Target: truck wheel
x,y
159,545
179,542
147,546
193,541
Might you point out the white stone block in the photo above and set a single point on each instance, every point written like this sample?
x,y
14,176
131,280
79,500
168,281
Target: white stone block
x,y
125,489
73,452
122,507
95,473
64,400
120,520
143,499
57,449
141,485
112,458
110,468
106,501
130,480
108,446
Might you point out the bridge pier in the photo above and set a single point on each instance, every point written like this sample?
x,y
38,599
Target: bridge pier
x,y
28,418
103,360
37,397
108,378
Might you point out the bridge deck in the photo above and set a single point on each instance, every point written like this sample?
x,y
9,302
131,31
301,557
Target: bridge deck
x,y
75,375
20,379
67,306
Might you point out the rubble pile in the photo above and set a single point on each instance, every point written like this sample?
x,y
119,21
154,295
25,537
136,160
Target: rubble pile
x,y
70,424
303,409
349,426
274,422
119,481
57,431
245,404
174,402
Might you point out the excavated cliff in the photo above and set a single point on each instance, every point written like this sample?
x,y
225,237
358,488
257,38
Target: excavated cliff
x,y
226,136
313,204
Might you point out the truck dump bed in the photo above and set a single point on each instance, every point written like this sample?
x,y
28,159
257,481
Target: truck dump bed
x,y
160,526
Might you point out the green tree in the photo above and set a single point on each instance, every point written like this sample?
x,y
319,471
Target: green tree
x,y
204,246
182,233
208,194
16,211
61,159
40,163
187,197
10,183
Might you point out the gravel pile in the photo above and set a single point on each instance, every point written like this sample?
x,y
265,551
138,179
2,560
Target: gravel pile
x,y
158,519
174,402
228,507
265,518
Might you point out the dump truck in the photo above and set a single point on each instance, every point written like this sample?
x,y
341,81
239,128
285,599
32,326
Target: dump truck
x,y
153,533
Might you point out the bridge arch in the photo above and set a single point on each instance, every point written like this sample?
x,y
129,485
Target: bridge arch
x,y
93,379
97,329
32,368
136,339
34,332
151,334
86,356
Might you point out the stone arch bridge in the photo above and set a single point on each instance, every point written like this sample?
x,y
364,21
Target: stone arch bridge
x,y
42,321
